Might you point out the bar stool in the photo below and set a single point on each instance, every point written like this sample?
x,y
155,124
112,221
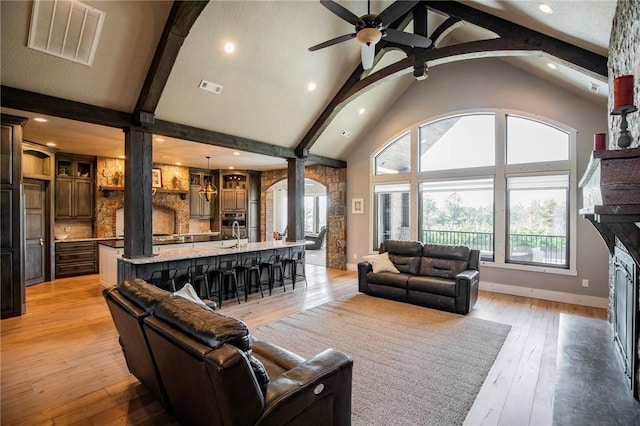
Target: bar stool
x,y
298,258
165,278
273,264
226,270
197,274
250,265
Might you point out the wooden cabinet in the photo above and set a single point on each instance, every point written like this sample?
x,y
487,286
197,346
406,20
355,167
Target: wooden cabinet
x,y
74,188
76,258
234,200
234,192
198,206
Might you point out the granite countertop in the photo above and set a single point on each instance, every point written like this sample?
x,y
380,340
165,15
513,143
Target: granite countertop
x,y
191,253
168,239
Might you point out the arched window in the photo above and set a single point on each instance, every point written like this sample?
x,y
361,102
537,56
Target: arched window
x,y
495,181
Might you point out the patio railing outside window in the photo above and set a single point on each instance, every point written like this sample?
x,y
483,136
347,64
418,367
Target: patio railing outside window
x,y
540,249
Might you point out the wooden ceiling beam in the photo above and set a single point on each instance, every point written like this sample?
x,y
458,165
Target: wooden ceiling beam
x,y
57,107
515,40
181,18
591,62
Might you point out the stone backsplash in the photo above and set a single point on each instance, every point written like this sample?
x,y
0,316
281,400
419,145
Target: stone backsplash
x,y
109,197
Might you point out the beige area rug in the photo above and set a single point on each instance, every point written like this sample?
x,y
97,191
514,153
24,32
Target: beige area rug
x,y
412,365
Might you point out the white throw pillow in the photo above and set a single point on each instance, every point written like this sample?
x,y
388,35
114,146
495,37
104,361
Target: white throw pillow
x,y
381,263
189,293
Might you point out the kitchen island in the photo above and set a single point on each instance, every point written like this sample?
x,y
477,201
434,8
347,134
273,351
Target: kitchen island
x,y
181,257
110,250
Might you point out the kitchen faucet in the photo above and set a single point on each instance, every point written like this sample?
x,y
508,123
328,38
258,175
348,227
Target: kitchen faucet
x,y
235,225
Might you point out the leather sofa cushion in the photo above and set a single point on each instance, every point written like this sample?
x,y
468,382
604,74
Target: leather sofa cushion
x,y
391,279
404,248
143,294
445,268
204,325
447,252
406,264
432,285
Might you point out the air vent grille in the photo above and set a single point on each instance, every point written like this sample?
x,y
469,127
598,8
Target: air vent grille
x,y
211,87
66,29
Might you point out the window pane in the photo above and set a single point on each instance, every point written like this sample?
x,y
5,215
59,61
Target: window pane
x,y
395,158
538,220
458,143
391,213
530,141
458,213
309,215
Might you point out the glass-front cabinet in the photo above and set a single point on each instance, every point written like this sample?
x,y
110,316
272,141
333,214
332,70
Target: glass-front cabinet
x,y
74,187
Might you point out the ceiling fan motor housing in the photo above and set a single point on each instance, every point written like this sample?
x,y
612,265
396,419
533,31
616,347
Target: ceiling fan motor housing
x,y
370,30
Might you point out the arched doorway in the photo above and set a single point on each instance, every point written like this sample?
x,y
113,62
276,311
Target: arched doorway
x,y
315,216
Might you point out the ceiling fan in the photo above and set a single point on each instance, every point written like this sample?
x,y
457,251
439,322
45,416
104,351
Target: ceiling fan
x,y
370,29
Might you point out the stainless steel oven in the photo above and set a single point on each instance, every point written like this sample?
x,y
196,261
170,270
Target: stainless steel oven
x,y
227,222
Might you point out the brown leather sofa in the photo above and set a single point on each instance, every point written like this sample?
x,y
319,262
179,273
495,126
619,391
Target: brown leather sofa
x,y
436,276
207,369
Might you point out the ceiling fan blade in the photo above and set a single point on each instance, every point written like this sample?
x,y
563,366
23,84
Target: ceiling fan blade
x,y
332,42
394,11
368,54
343,13
408,39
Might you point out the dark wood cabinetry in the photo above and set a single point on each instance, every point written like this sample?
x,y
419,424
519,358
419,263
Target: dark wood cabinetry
x,y
76,258
234,192
74,187
198,206
253,213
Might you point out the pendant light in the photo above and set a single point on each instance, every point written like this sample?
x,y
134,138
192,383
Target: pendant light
x,y
207,190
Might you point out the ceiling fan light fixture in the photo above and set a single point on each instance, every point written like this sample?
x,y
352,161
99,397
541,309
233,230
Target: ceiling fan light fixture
x,y
369,36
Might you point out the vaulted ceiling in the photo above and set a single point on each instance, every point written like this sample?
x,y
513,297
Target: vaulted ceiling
x,y
265,111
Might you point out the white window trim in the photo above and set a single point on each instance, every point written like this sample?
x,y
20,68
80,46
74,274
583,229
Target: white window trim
x,y
499,172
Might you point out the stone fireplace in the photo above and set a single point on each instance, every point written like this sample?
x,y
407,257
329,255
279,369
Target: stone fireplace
x,y
611,193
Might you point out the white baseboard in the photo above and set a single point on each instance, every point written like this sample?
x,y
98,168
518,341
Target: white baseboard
x,y
555,296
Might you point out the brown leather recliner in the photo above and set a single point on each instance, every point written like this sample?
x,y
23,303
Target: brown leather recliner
x,y
213,372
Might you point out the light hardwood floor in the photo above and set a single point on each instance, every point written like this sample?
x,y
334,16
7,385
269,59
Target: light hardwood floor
x,y
61,363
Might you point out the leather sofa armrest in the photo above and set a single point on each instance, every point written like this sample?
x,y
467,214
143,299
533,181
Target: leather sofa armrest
x,y
290,395
363,269
466,290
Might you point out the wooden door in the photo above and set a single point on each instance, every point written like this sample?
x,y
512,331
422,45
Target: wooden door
x,y
241,199
11,225
83,199
35,231
64,198
228,200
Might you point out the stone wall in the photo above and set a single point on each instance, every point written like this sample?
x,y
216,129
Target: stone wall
x,y
336,182
107,202
624,59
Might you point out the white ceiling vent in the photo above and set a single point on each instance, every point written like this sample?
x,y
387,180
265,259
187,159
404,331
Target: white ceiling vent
x,y
346,133
595,88
66,29
211,87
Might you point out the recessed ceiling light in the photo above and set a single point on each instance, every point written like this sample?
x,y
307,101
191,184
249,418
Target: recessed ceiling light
x,y
159,140
178,164
40,120
122,156
311,86
361,111
229,47
236,153
51,144
552,66
545,8
231,167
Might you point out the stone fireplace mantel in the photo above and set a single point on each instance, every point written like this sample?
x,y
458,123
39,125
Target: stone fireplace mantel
x,y
611,199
